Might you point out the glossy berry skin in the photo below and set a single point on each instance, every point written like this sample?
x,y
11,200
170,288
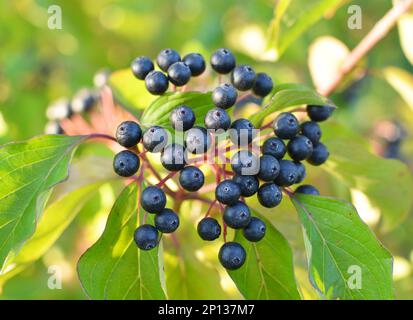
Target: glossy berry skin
x,y
217,119
224,96
146,237
301,172
174,157
232,255
245,163
286,126
179,74
269,168
153,199
141,66
243,77
227,192
182,118
128,134
237,216
166,58
255,230
167,221
300,148
83,101
223,61
126,163
196,63
155,139
319,113
156,82
197,140
263,85
307,189
191,178
209,229
248,184
274,147
288,173
269,195
312,131
242,132
319,156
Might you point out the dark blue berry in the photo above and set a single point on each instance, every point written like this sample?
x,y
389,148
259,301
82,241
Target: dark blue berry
x,y
307,189
128,134
53,127
174,157
269,195
166,221
179,74
141,66
191,178
237,216
224,96
312,131
217,119
319,156
300,148
286,126
319,113
195,62
248,184
232,255
245,163
242,132
301,172
209,229
156,82
126,163
223,61
166,58
197,140
182,118
243,77
255,230
155,139
83,101
263,84
146,237
288,173
228,192
269,168
153,199
274,147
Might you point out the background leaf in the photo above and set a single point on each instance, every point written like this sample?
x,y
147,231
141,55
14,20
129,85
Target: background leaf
x,y
405,24
402,82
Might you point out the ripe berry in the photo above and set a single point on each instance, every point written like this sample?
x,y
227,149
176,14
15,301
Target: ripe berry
x,y
126,163
300,148
195,62
167,221
156,82
245,163
182,118
269,195
128,134
301,172
319,113
155,139
263,84
223,61
312,131
59,110
269,168
237,216
288,173
83,101
179,74
224,96
53,127
197,140
174,157
248,184
242,132
286,125
216,119
146,237
255,230
141,66
153,199
166,58
209,229
243,77
319,156
191,178
307,189
274,147
228,192
232,255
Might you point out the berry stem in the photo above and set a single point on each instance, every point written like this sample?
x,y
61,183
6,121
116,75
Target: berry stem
x,y
212,204
244,96
225,232
100,136
164,180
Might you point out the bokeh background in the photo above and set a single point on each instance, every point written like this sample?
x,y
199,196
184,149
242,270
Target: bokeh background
x,y
39,65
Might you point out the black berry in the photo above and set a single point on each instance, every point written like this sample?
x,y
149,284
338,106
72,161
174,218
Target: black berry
x,y
167,221
237,216
197,140
128,134
312,131
191,178
166,58
156,82
174,157
228,192
243,77
269,195
242,132
274,147
269,168
245,163
155,139
319,113
255,230
141,66
153,199
248,184
288,173
223,61
286,126
195,62
224,96
301,172
209,229
307,189
319,156
182,118
179,74
232,255
126,163
300,148
263,84
146,237
216,119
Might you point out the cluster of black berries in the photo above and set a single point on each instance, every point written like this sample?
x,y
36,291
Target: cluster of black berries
x,y
248,168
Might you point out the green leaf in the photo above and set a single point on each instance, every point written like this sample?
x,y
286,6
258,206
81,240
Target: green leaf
x,y
159,111
402,82
340,247
114,268
268,271
288,95
352,162
405,25
27,171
